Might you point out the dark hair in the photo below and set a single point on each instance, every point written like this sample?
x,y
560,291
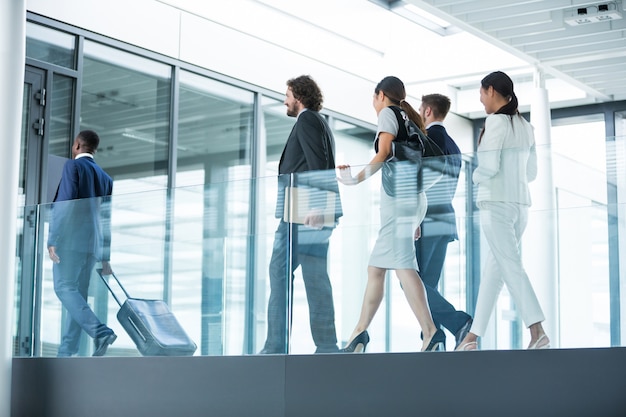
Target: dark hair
x,y
89,139
393,88
307,91
439,104
503,84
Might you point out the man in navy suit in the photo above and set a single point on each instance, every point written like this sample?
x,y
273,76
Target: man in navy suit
x,y
439,226
79,236
309,153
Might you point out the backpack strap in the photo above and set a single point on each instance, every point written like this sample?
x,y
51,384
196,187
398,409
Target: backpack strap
x,y
403,134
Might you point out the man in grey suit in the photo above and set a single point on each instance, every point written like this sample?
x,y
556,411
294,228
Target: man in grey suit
x,y
307,163
439,226
78,237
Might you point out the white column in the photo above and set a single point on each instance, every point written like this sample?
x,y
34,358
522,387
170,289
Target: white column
x,y
540,239
12,56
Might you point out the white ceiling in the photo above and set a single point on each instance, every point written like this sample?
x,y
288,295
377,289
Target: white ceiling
x,y
373,38
589,57
351,44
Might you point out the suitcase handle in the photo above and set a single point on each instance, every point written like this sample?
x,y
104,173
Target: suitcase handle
x,y
99,271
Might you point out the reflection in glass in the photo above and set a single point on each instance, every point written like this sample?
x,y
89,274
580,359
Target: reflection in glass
x,y
214,130
24,145
349,244
21,212
214,308
126,100
212,209
61,100
205,245
275,127
580,166
49,45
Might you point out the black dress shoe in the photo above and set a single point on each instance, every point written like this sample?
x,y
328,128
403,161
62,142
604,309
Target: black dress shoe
x,y
436,342
102,343
270,351
358,344
463,331
327,349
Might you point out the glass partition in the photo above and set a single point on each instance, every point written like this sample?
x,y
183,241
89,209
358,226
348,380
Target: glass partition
x,y
50,45
219,288
126,99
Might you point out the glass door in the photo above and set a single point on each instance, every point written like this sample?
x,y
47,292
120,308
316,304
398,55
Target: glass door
x,y
45,141
33,126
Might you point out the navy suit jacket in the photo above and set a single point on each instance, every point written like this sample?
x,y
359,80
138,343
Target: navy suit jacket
x,y
80,220
440,216
309,151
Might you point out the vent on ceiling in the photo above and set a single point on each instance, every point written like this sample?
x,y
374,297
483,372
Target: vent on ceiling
x,y
603,12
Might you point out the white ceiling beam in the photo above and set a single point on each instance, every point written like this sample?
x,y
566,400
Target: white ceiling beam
x,y
589,58
519,7
600,49
607,63
601,77
590,42
471,80
616,73
447,3
546,68
506,34
569,33
514,21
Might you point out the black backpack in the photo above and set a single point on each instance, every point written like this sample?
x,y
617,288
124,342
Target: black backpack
x,y
416,162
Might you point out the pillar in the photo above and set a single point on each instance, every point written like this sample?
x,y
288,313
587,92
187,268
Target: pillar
x,y
539,245
12,56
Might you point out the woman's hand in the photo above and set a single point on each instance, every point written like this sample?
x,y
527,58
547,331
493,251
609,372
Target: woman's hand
x,y
345,175
418,233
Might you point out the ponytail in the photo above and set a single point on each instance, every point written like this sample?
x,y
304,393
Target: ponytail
x,y
511,107
413,115
393,88
503,85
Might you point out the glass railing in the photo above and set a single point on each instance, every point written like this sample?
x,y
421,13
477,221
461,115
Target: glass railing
x,y
207,252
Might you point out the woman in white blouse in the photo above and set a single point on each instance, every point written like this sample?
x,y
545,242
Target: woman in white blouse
x,y
507,162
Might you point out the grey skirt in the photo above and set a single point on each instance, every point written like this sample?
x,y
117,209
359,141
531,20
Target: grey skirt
x,y
395,245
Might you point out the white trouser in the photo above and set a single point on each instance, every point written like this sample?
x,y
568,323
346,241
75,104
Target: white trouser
x,y
503,225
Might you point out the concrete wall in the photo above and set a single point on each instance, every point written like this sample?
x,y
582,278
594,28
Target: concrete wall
x,y
571,383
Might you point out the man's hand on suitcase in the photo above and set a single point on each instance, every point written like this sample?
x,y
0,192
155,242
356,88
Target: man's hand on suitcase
x,y
106,268
52,253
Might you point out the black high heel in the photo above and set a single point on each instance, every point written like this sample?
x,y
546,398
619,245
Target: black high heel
x,y
436,343
358,344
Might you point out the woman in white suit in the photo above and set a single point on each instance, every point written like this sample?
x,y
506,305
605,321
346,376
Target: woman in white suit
x,y
507,162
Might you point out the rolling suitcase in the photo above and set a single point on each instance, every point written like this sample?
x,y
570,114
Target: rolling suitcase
x,y
151,325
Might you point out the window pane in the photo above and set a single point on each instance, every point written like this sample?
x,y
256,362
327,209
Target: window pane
x,y
275,128
212,208
352,242
579,166
617,175
61,100
126,100
214,131
50,45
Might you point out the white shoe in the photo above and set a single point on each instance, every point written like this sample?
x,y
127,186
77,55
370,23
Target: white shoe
x,y
542,343
467,346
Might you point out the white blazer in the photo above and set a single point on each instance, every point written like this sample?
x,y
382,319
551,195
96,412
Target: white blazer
x,y
507,160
